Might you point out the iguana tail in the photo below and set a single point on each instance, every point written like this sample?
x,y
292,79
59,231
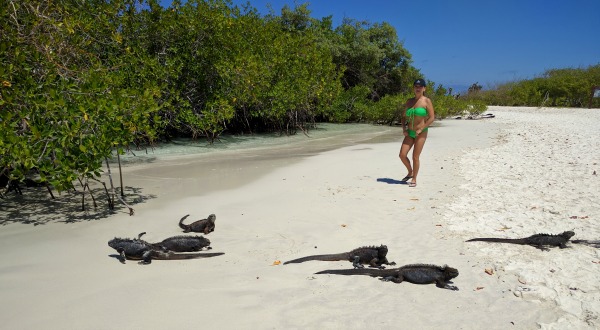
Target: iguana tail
x,y
320,257
498,240
182,256
361,271
181,225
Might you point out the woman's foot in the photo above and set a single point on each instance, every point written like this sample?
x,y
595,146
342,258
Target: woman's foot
x,y
406,178
412,184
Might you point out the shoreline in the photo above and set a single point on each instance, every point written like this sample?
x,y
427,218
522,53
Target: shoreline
x,y
328,202
161,178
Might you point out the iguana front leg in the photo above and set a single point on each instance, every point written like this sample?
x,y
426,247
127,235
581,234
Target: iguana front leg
x,y
541,247
122,255
392,278
146,258
444,285
356,263
376,264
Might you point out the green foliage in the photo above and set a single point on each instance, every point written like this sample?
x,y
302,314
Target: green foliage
x,y
388,109
446,106
350,106
372,56
63,107
555,88
277,74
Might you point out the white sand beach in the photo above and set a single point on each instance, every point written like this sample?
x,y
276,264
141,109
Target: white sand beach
x,y
526,171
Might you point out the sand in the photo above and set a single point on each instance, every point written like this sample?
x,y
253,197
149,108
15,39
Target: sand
x,y
527,170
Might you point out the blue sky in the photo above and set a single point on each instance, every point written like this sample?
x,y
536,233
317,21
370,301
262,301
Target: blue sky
x,y
459,42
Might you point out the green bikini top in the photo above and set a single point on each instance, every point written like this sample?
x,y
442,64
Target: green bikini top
x,y
418,112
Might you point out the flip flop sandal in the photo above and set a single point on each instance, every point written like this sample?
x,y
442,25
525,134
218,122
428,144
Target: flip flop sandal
x,y
412,184
406,178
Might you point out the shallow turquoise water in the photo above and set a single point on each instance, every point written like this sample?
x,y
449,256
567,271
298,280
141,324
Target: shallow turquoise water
x,y
324,137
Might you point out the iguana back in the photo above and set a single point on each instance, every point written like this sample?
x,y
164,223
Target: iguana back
x,y
183,243
538,240
374,256
414,273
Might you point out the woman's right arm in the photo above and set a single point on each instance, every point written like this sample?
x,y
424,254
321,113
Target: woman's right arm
x,y
403,118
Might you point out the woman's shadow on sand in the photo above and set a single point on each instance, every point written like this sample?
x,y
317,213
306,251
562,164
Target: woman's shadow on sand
x,y
391,181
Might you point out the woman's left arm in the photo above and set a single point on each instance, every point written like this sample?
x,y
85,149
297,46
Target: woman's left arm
x,y
430,113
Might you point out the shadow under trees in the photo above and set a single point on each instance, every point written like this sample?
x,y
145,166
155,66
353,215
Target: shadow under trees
x,y
35,206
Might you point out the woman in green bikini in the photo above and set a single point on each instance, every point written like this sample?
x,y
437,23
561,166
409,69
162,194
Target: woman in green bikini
x,y
417,115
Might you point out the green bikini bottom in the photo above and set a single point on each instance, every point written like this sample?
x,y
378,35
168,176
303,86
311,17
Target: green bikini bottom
x,y
413,134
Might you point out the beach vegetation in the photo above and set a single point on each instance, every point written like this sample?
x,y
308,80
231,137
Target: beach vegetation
x,y
76,90
567,87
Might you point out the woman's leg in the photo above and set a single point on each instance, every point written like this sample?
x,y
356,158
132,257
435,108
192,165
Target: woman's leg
x,y
404,149
418,147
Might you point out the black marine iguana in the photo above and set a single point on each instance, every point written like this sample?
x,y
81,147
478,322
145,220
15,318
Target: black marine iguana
x,y
200,226
537,240
184,243
370,255
415,273
138,249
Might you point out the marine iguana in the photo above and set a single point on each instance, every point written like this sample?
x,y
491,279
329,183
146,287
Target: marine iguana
x,y
138,249
415,273
538,240
181,243
370,255
200,226
184,243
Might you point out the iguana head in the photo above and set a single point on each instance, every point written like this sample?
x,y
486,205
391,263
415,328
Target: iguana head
x,y
450,273
382,250
202,240
568,234
212,218
113,243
